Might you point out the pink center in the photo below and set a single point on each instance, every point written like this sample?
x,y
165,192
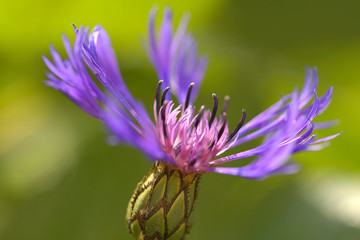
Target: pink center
x,y
190,139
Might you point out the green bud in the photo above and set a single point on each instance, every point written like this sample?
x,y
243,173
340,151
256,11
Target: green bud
x,y
162,203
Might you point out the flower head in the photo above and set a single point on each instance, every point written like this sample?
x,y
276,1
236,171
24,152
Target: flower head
x,y
189,138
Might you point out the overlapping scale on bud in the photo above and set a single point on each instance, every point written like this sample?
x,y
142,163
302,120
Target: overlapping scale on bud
x,y
162,204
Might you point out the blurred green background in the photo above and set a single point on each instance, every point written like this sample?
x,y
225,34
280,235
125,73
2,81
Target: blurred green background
x,y
60,180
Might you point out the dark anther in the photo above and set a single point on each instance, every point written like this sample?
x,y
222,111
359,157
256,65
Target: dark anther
x,y
157,96
221,131
226,103
240,124
163,120
164,95
188,95
212,144
177,149
199,116
213,113
192,162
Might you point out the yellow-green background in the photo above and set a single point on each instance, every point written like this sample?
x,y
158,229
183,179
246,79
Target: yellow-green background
x,y
60,180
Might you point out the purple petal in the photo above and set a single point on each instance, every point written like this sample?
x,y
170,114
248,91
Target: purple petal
x,y
326,138
174,56
72,78
324,125
241,155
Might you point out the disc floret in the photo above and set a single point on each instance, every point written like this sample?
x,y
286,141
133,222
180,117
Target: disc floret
x,y
191,138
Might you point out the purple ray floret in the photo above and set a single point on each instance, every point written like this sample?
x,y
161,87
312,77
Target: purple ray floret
x,y
174,56
190,138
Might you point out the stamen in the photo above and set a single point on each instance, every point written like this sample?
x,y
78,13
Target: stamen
x,y
199,116
163,120
177,149
157,96
240,124
192,162
226,103
212,144
164,95
188,95
213,113
222,126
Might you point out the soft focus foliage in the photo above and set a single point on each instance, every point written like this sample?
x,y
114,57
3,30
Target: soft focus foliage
x,y
60,180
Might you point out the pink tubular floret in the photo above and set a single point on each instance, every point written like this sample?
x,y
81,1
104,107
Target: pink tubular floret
x,y
187,137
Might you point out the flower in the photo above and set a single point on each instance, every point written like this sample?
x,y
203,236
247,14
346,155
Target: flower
x,y
187,137
183,141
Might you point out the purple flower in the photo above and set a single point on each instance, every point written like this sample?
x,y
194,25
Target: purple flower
x,y
189,138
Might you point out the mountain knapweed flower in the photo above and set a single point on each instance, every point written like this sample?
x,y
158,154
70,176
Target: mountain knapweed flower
x,y
183,141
